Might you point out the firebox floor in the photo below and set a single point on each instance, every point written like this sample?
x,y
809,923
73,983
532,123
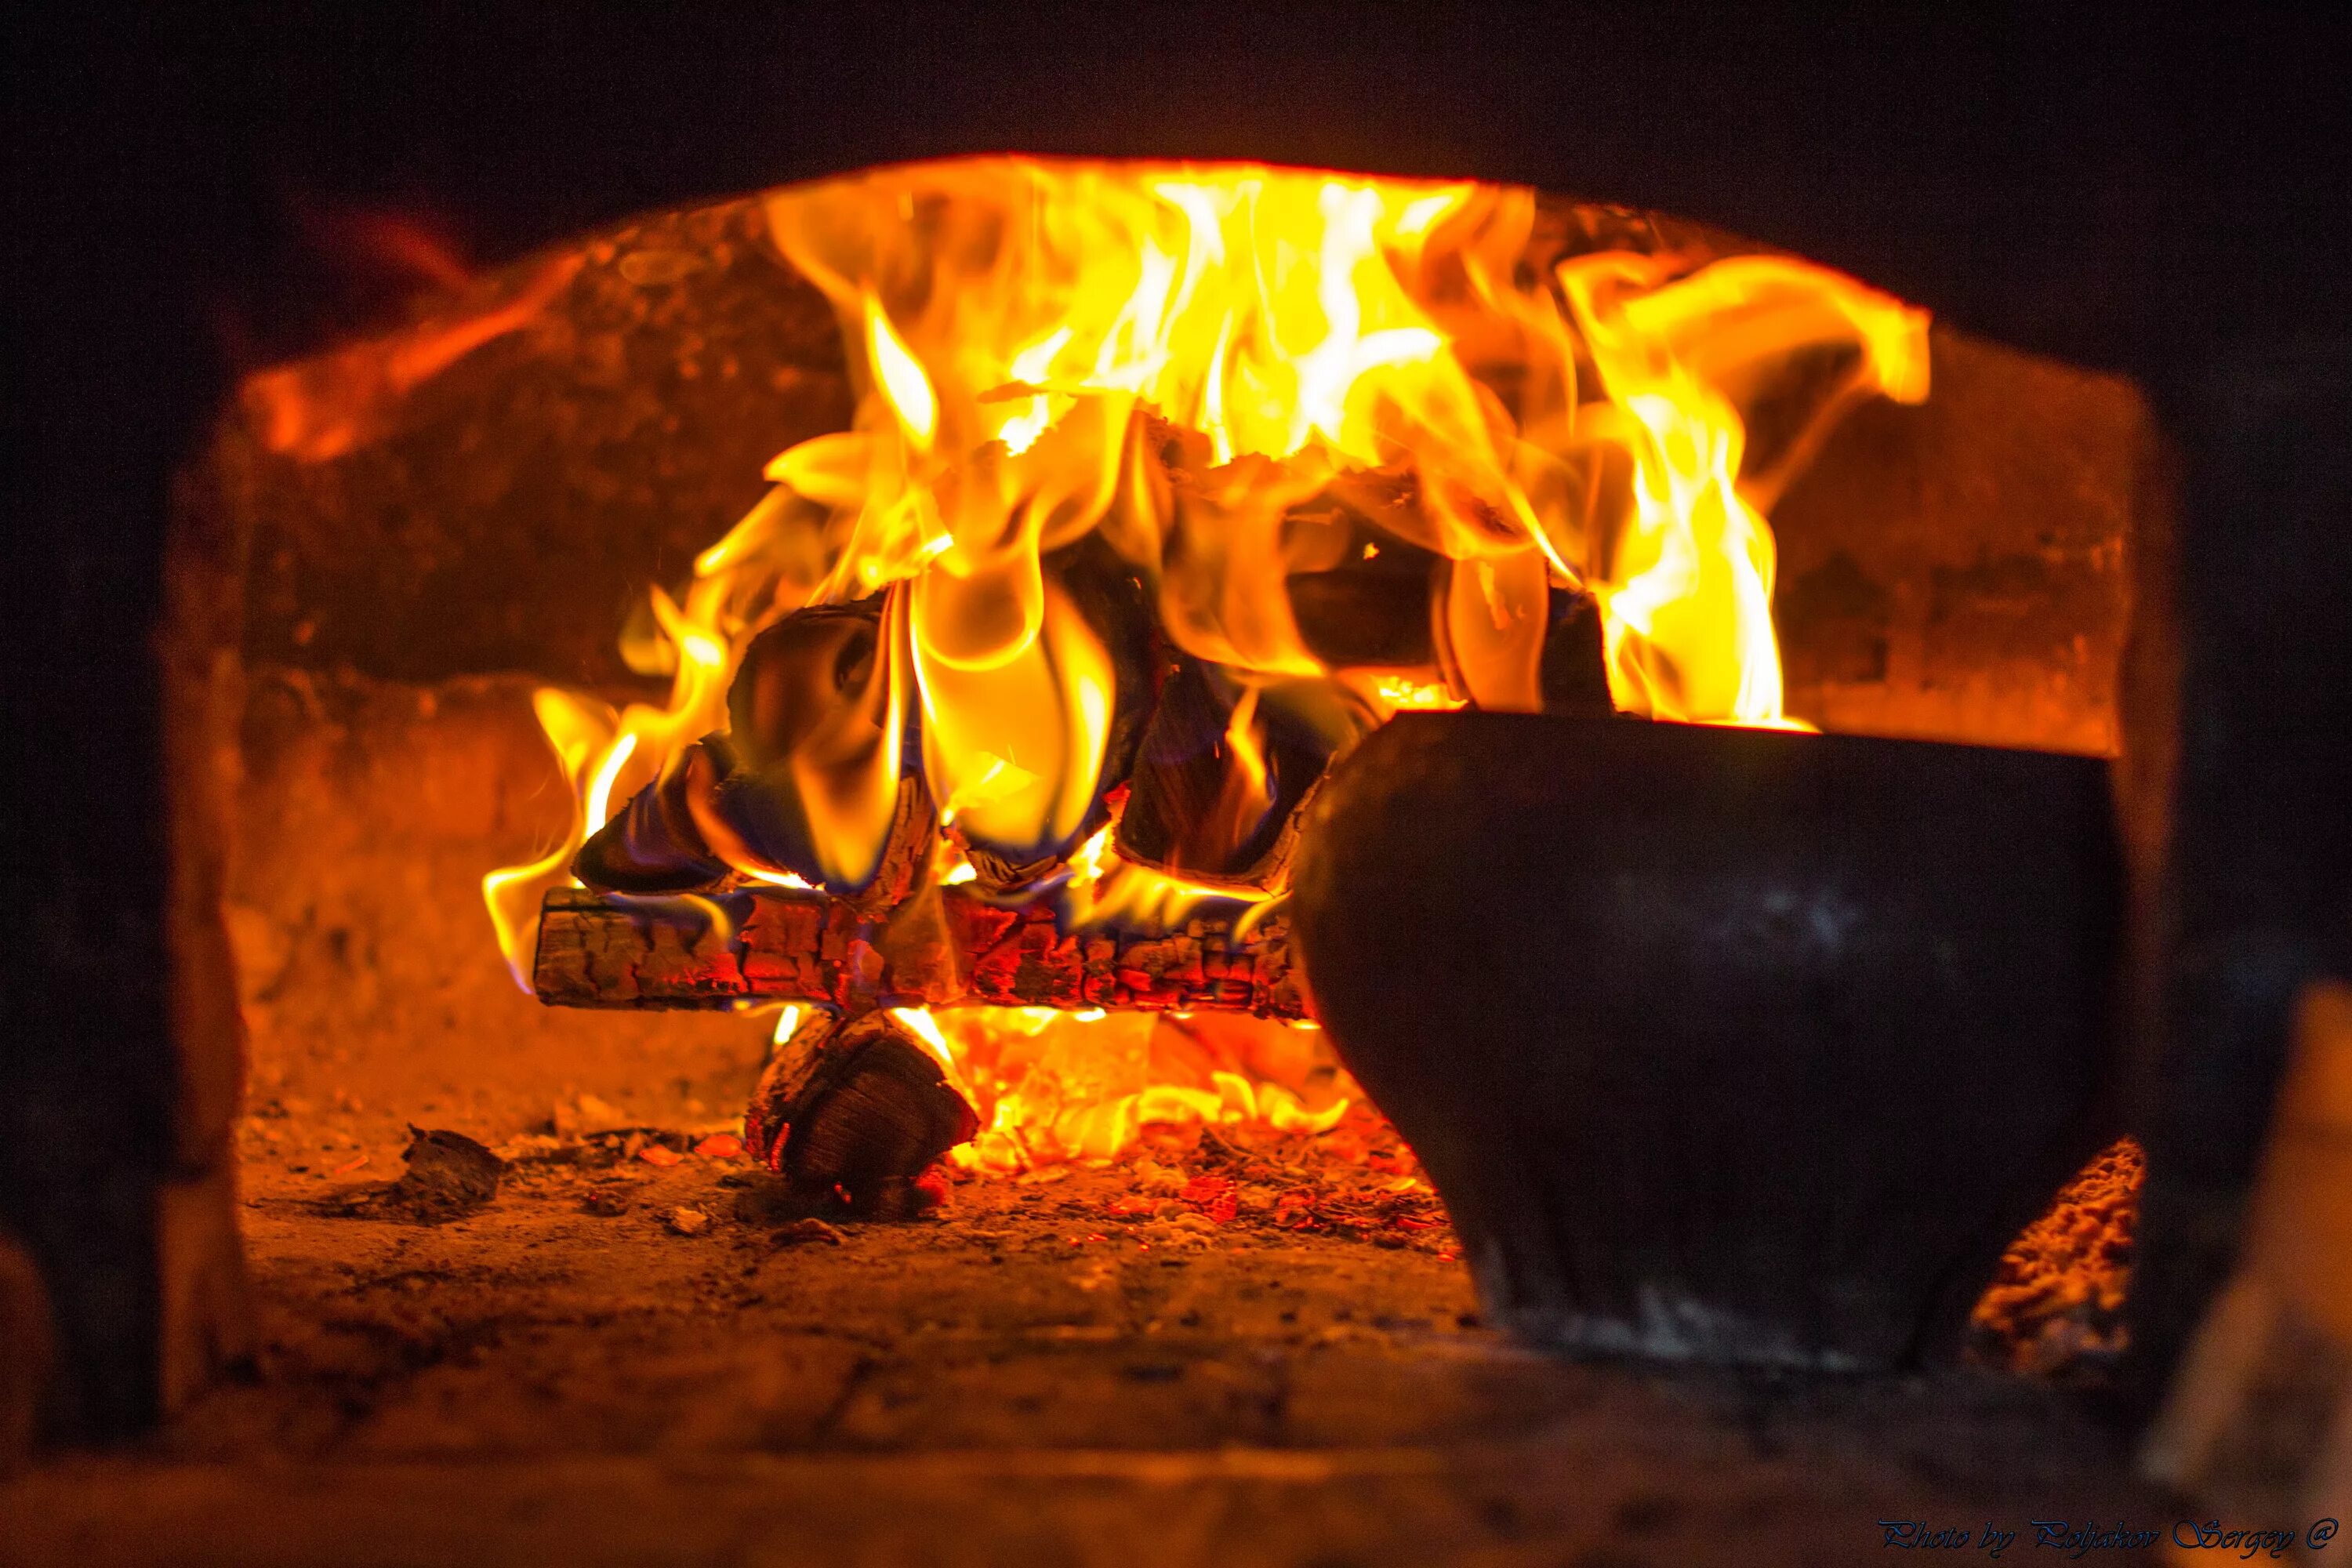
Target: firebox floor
x,y
1018,1379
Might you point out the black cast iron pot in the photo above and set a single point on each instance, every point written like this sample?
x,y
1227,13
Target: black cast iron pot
x,y
1720,1044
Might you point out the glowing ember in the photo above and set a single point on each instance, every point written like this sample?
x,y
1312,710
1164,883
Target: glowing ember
x,y
2056,1304
1174,365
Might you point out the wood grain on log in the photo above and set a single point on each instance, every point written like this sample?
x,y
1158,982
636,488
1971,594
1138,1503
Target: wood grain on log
x,y
944,947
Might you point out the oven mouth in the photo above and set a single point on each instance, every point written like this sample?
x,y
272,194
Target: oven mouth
x,y
731,504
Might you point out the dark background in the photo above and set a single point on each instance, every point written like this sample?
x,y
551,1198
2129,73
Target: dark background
x,y
2129,191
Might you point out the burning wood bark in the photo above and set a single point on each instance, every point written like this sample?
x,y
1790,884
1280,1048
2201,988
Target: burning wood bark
x,y
948,947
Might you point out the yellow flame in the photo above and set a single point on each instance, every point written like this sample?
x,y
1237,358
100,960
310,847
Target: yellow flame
x,y
901,378
1056,1087
1687,587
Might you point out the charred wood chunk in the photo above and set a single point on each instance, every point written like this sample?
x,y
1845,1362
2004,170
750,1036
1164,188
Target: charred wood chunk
x,y
805,700
1213,809
1575,670
448,1174
1360,593
858,1109
652,845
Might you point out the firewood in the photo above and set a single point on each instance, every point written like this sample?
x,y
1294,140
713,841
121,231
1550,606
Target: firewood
x,y
944,947
1575,670
1196,809
1111,598
855,1109
733,801
651,844
1359,591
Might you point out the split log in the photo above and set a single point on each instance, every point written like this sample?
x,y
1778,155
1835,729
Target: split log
x,y
651,844
945,947
857,1111
1116,606
1197,809
804,695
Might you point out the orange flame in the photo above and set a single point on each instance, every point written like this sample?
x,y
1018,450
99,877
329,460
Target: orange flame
x,y
327,406
1172,358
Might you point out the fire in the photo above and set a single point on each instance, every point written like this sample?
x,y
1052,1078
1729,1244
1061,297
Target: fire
x,y
1172,365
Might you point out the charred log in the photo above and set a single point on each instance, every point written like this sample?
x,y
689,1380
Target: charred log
x,y
855,1111
652,845
1360,593
803,699
1201,806
944,947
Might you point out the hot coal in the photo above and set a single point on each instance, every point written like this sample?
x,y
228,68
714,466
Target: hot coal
x,y
2056,1304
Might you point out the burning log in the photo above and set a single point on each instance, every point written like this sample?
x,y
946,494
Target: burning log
x,y
804,700
857,1111
1360,589
1112,601
944,947
1756,1046
1218,787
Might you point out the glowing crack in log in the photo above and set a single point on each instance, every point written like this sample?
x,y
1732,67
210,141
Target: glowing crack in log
x,y
945,948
